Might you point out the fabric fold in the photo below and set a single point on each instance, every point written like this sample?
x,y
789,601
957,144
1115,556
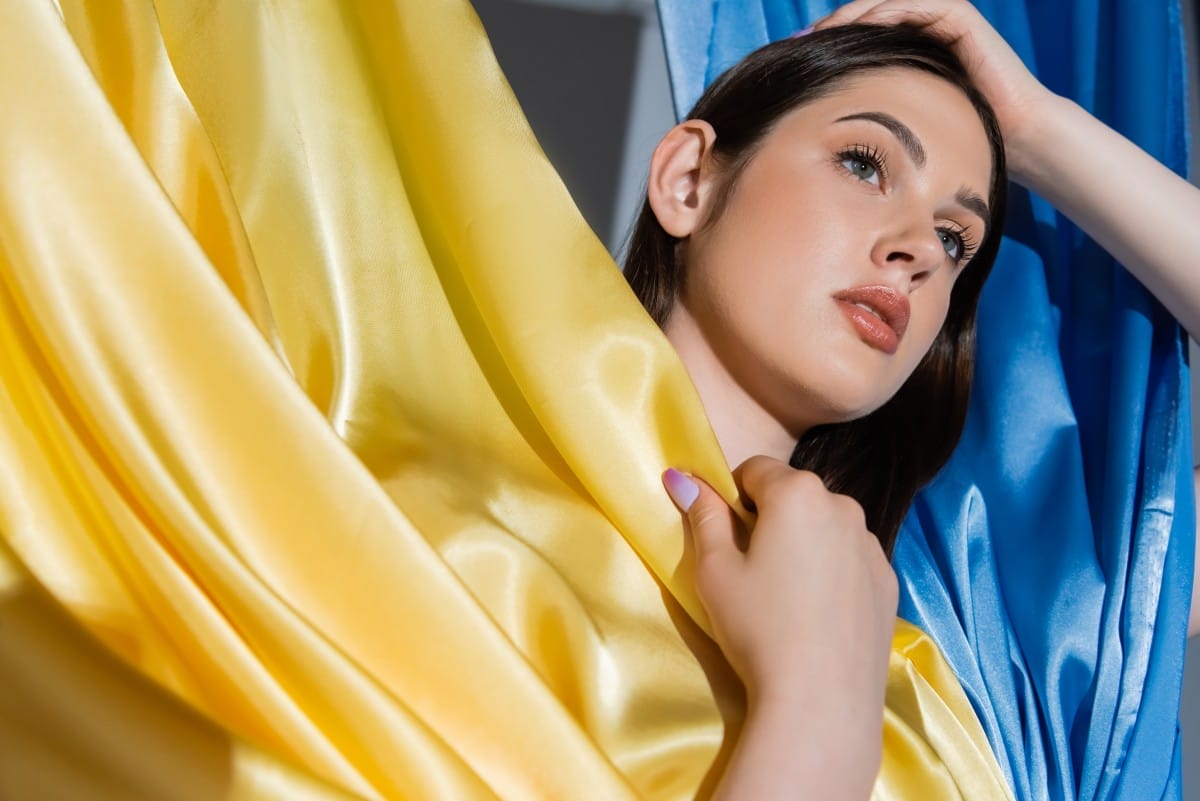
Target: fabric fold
x,y
326,414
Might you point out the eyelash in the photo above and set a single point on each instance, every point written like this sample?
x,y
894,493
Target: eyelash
x,y
966,242
869,154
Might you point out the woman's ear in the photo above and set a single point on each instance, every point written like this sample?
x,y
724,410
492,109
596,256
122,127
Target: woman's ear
x,y
680,177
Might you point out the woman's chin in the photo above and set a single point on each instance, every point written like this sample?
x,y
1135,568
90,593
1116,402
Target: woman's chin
x,y
832,416
845,396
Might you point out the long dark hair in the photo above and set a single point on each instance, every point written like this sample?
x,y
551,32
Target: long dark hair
x,y
884,458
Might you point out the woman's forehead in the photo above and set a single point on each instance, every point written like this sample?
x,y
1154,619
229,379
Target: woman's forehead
x,y
922,95
930,118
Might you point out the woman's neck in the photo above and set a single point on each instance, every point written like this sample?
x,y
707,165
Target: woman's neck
x,y
743,427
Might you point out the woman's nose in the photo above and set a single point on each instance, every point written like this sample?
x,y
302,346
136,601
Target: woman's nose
x,y
915,254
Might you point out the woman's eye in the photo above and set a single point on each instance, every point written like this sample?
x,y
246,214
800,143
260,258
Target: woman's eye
x,y
862,169
952,243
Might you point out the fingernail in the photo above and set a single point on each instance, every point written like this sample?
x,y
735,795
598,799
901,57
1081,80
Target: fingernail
x,y
683,490
801,32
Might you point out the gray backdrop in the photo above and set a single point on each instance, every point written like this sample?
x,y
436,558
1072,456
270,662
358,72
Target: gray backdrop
x,y
591,77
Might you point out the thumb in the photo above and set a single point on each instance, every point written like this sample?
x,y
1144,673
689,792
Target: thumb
x,y
711,523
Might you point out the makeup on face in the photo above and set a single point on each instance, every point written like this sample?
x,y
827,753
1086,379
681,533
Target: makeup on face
x,y
828,272
879,313
967,200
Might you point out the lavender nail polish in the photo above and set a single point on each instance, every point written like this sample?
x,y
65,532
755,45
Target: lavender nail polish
x,y
683,490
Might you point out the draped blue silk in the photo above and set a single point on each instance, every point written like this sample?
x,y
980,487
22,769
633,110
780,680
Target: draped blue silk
x,y
1052,558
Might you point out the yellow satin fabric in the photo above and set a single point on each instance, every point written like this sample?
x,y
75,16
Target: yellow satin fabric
x,y
325,413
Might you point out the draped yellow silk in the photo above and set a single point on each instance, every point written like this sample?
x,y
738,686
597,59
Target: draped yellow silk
x,y
330,436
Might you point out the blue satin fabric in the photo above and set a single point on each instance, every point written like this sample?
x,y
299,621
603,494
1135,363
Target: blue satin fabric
x,y
1052,558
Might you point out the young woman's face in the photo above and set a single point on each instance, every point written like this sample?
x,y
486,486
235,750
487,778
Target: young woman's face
x,y
827,275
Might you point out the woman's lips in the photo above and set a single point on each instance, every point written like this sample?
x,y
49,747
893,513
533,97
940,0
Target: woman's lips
x,y
878,313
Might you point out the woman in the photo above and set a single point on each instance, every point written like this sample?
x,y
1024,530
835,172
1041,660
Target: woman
x,y
1035,123
816,238
190,530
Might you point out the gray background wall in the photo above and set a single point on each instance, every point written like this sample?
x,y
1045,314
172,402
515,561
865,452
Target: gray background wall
x,y
591,77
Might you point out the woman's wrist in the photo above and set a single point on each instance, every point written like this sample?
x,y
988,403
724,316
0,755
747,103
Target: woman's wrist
x,y
1032,145
789,741
822,720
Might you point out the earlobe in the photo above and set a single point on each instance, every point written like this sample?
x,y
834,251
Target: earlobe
x,y
679,177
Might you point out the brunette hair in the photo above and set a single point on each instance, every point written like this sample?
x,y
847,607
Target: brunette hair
x,y
883,459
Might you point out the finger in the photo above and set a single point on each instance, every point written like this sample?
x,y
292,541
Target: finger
x,y
711,524
760,476
783,494
892,12
846,14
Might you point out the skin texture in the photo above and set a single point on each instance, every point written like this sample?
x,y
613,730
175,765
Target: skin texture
x,y
753,329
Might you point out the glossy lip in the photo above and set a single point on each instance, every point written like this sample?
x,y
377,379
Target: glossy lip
x,y
884,324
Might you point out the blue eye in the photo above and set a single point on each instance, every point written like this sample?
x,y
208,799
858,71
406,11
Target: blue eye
x,y
862,170
952,243
959,244
864,163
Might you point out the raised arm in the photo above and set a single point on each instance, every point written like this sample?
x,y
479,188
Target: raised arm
x,y
1134,207
1147,217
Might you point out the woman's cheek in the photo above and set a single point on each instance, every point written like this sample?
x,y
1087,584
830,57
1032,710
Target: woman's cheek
x,y
930,332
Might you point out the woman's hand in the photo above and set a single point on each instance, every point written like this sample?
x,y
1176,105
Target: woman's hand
x,y
1013,92
805,615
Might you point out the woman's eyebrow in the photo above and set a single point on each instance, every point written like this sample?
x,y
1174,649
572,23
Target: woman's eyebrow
x,y
974,204
969,200
916,151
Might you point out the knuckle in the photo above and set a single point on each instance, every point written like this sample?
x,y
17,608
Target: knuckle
x,y
879,557
758,461
802,484
704,516
853,511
